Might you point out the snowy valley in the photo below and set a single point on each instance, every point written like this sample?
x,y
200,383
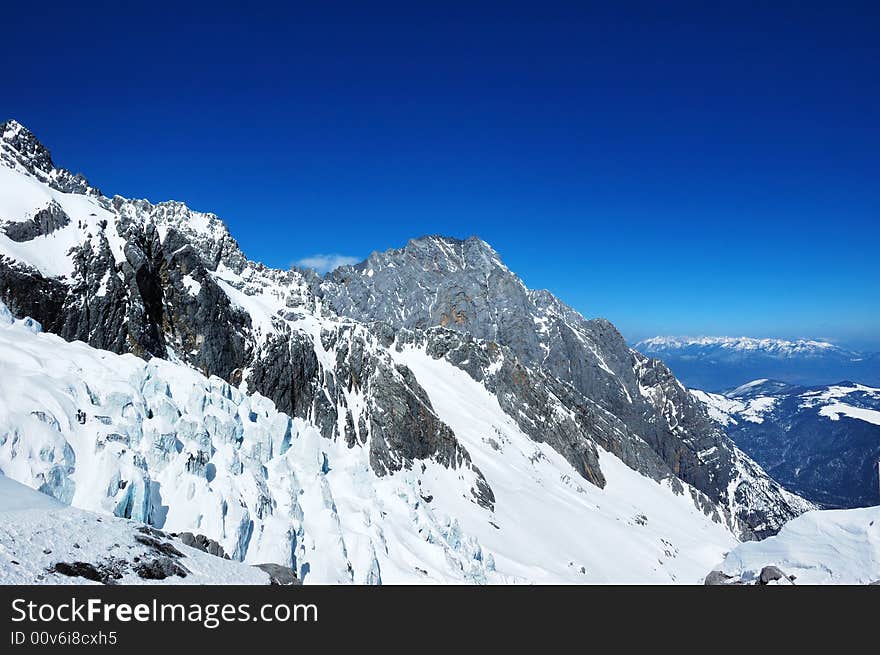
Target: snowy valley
x,y
821,441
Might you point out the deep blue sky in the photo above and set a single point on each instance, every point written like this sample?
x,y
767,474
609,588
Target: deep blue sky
x,y
675,168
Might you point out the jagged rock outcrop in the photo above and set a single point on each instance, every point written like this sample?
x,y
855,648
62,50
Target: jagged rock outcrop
x,y
28,293
43,223
27,153
279,575
203,543
394,415
771,574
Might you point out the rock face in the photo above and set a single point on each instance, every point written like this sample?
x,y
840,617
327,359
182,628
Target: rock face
x,y
163,281
159,299
397,414
279,575
31,294
43,223
463,287
771,574
25,152
716,578
203,543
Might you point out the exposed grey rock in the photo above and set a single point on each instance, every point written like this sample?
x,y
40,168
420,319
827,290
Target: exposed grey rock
x,y
399,422
153,532
31,155
27,293
157,546
105,574
625,402
717,578
44,222
279,575
203,543
144,307
770,574
160,568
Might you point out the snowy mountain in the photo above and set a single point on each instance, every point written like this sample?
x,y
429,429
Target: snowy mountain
x,y
718,363
822,441
419,417
470,308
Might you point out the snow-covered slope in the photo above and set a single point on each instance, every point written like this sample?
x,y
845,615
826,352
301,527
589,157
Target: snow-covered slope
x,y
731,410
160,443
845,400
649,532
43,541
819,547
823,441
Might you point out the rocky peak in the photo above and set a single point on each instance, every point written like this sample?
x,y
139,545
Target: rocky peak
x,y
435,254
432,281
452,254
21,150
463,285
26,147
438,282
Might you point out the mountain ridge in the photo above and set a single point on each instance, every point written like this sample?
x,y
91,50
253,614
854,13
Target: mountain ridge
x,y
783,346
161,281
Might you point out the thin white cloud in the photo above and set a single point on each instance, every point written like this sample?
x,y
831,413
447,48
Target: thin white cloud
x,y
326,263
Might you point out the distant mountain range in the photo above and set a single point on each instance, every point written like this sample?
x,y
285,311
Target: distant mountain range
x,y
822,441
718,363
